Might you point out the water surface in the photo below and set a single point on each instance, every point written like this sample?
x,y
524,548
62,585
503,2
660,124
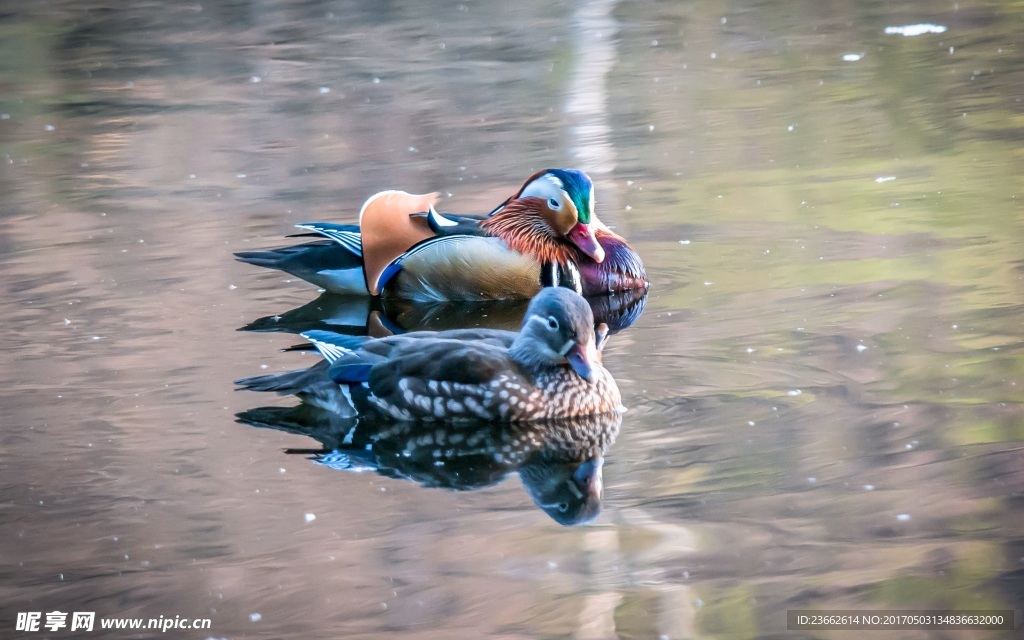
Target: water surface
x,y
824,389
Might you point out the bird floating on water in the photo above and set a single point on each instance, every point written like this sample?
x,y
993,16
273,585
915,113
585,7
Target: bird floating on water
x,y
546,234
550,369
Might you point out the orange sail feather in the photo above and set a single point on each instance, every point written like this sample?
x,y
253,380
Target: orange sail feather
x,y
388,230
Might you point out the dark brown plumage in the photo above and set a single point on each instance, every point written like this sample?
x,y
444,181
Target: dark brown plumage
x,y
550,369
558,461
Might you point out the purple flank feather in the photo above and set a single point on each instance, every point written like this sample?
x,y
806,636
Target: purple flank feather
x,y
621,269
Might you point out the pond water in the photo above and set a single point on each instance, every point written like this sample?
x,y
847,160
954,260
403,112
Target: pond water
x,y
824,387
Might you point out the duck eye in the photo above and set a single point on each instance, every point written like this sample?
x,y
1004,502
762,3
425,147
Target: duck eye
x,y
554,204
553,323
563,506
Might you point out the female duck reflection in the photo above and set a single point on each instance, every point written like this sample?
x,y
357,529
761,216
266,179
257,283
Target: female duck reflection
x,y
559,461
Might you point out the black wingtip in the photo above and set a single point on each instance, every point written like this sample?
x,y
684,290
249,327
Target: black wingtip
x,y
259,258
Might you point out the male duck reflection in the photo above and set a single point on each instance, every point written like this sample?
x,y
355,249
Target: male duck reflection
x,y
546,234
559,461
550,369
379,317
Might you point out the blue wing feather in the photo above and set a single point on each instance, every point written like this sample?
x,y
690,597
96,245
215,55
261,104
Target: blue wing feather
x,y
350,373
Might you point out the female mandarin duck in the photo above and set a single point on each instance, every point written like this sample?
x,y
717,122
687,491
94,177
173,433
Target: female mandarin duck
x,y
544,235
550,369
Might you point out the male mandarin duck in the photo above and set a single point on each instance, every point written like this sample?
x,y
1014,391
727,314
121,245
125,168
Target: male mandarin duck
x,y
546,234
550,369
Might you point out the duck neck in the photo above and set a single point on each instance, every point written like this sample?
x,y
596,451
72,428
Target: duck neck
x,y
524,230
529,357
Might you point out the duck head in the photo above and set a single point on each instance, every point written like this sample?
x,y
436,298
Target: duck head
x,y
558,329
549,215
571,492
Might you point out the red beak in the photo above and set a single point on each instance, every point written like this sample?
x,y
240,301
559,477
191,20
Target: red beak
x,y
582,235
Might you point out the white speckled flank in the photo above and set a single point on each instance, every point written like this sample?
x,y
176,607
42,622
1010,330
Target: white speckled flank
x,y
562,393
555,393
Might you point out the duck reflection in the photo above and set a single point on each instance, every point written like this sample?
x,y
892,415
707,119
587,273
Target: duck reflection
x,y
559,461
380,317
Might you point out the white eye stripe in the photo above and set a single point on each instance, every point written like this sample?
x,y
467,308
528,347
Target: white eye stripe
x,y
545,187
543,321
546,321
550,189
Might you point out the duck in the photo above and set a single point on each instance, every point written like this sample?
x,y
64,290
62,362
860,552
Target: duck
x,y
546,234
550,369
